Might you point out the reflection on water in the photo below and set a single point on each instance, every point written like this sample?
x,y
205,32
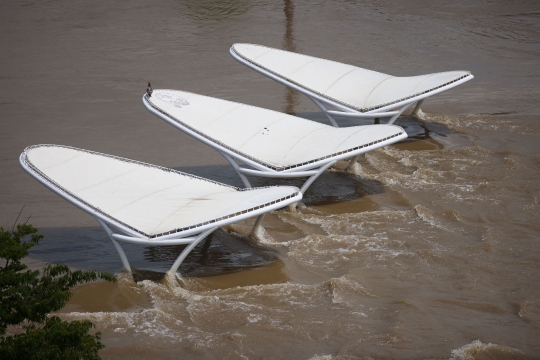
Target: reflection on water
x,y
289,44
288,39
210,10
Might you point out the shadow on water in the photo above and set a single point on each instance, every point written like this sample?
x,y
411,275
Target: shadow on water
x,y
328,188
90,248
427,135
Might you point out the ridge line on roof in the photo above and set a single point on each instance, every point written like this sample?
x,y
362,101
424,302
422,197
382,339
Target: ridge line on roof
x,y
375,88
147,195
341,77
303,65
228,216
359,130
309,56
427,78
252,136
174,212
304,137
105,180
236,203
222,115
63,162
258,56
133,162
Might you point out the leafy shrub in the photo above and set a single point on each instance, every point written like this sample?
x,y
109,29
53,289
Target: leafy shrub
x,y
29,296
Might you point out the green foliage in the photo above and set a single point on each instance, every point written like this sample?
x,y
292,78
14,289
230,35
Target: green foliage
x,y
27,295
57,339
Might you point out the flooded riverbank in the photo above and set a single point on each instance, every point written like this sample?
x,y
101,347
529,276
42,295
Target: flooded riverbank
x,y
430,250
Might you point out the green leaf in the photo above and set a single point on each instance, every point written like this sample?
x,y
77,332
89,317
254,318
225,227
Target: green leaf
x,y
27,295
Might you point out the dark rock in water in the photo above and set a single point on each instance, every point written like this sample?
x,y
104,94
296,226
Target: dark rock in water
x,y
219,253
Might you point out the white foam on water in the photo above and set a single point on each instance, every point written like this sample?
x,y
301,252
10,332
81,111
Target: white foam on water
x,y
199,317
478,350
483,122
430,217
149,322
321,357
529,310
328,253
348,292
463,176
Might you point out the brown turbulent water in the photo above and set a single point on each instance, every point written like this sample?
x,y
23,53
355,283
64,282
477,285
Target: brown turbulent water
x,y
431,251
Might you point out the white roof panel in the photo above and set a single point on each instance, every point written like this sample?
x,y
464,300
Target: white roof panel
x,y
147,198
271,138
352,86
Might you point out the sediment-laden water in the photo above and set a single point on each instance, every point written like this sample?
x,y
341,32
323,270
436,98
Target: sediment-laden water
x,y
431,249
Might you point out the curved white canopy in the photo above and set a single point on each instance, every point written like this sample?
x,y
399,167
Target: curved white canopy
x,y
357,88
273,139
150,200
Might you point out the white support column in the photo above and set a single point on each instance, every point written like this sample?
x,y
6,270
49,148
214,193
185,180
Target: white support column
x,y
353,162
187,250
117,245
257,228
325,111
401,110
243,177
417,111
313,177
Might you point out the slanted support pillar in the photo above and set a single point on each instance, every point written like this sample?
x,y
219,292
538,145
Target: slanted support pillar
x,y
187,250
401,110
312,178
257,231
352,163
417,111
243,177
325,111
122,254
116,244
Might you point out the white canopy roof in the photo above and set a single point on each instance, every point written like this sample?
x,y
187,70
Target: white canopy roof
x,y
273,139
357,88
146,198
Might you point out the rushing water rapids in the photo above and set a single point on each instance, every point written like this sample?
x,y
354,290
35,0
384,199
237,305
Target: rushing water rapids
x,y
430,250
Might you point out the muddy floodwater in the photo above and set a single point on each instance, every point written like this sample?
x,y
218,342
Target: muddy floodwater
x,y
431,249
